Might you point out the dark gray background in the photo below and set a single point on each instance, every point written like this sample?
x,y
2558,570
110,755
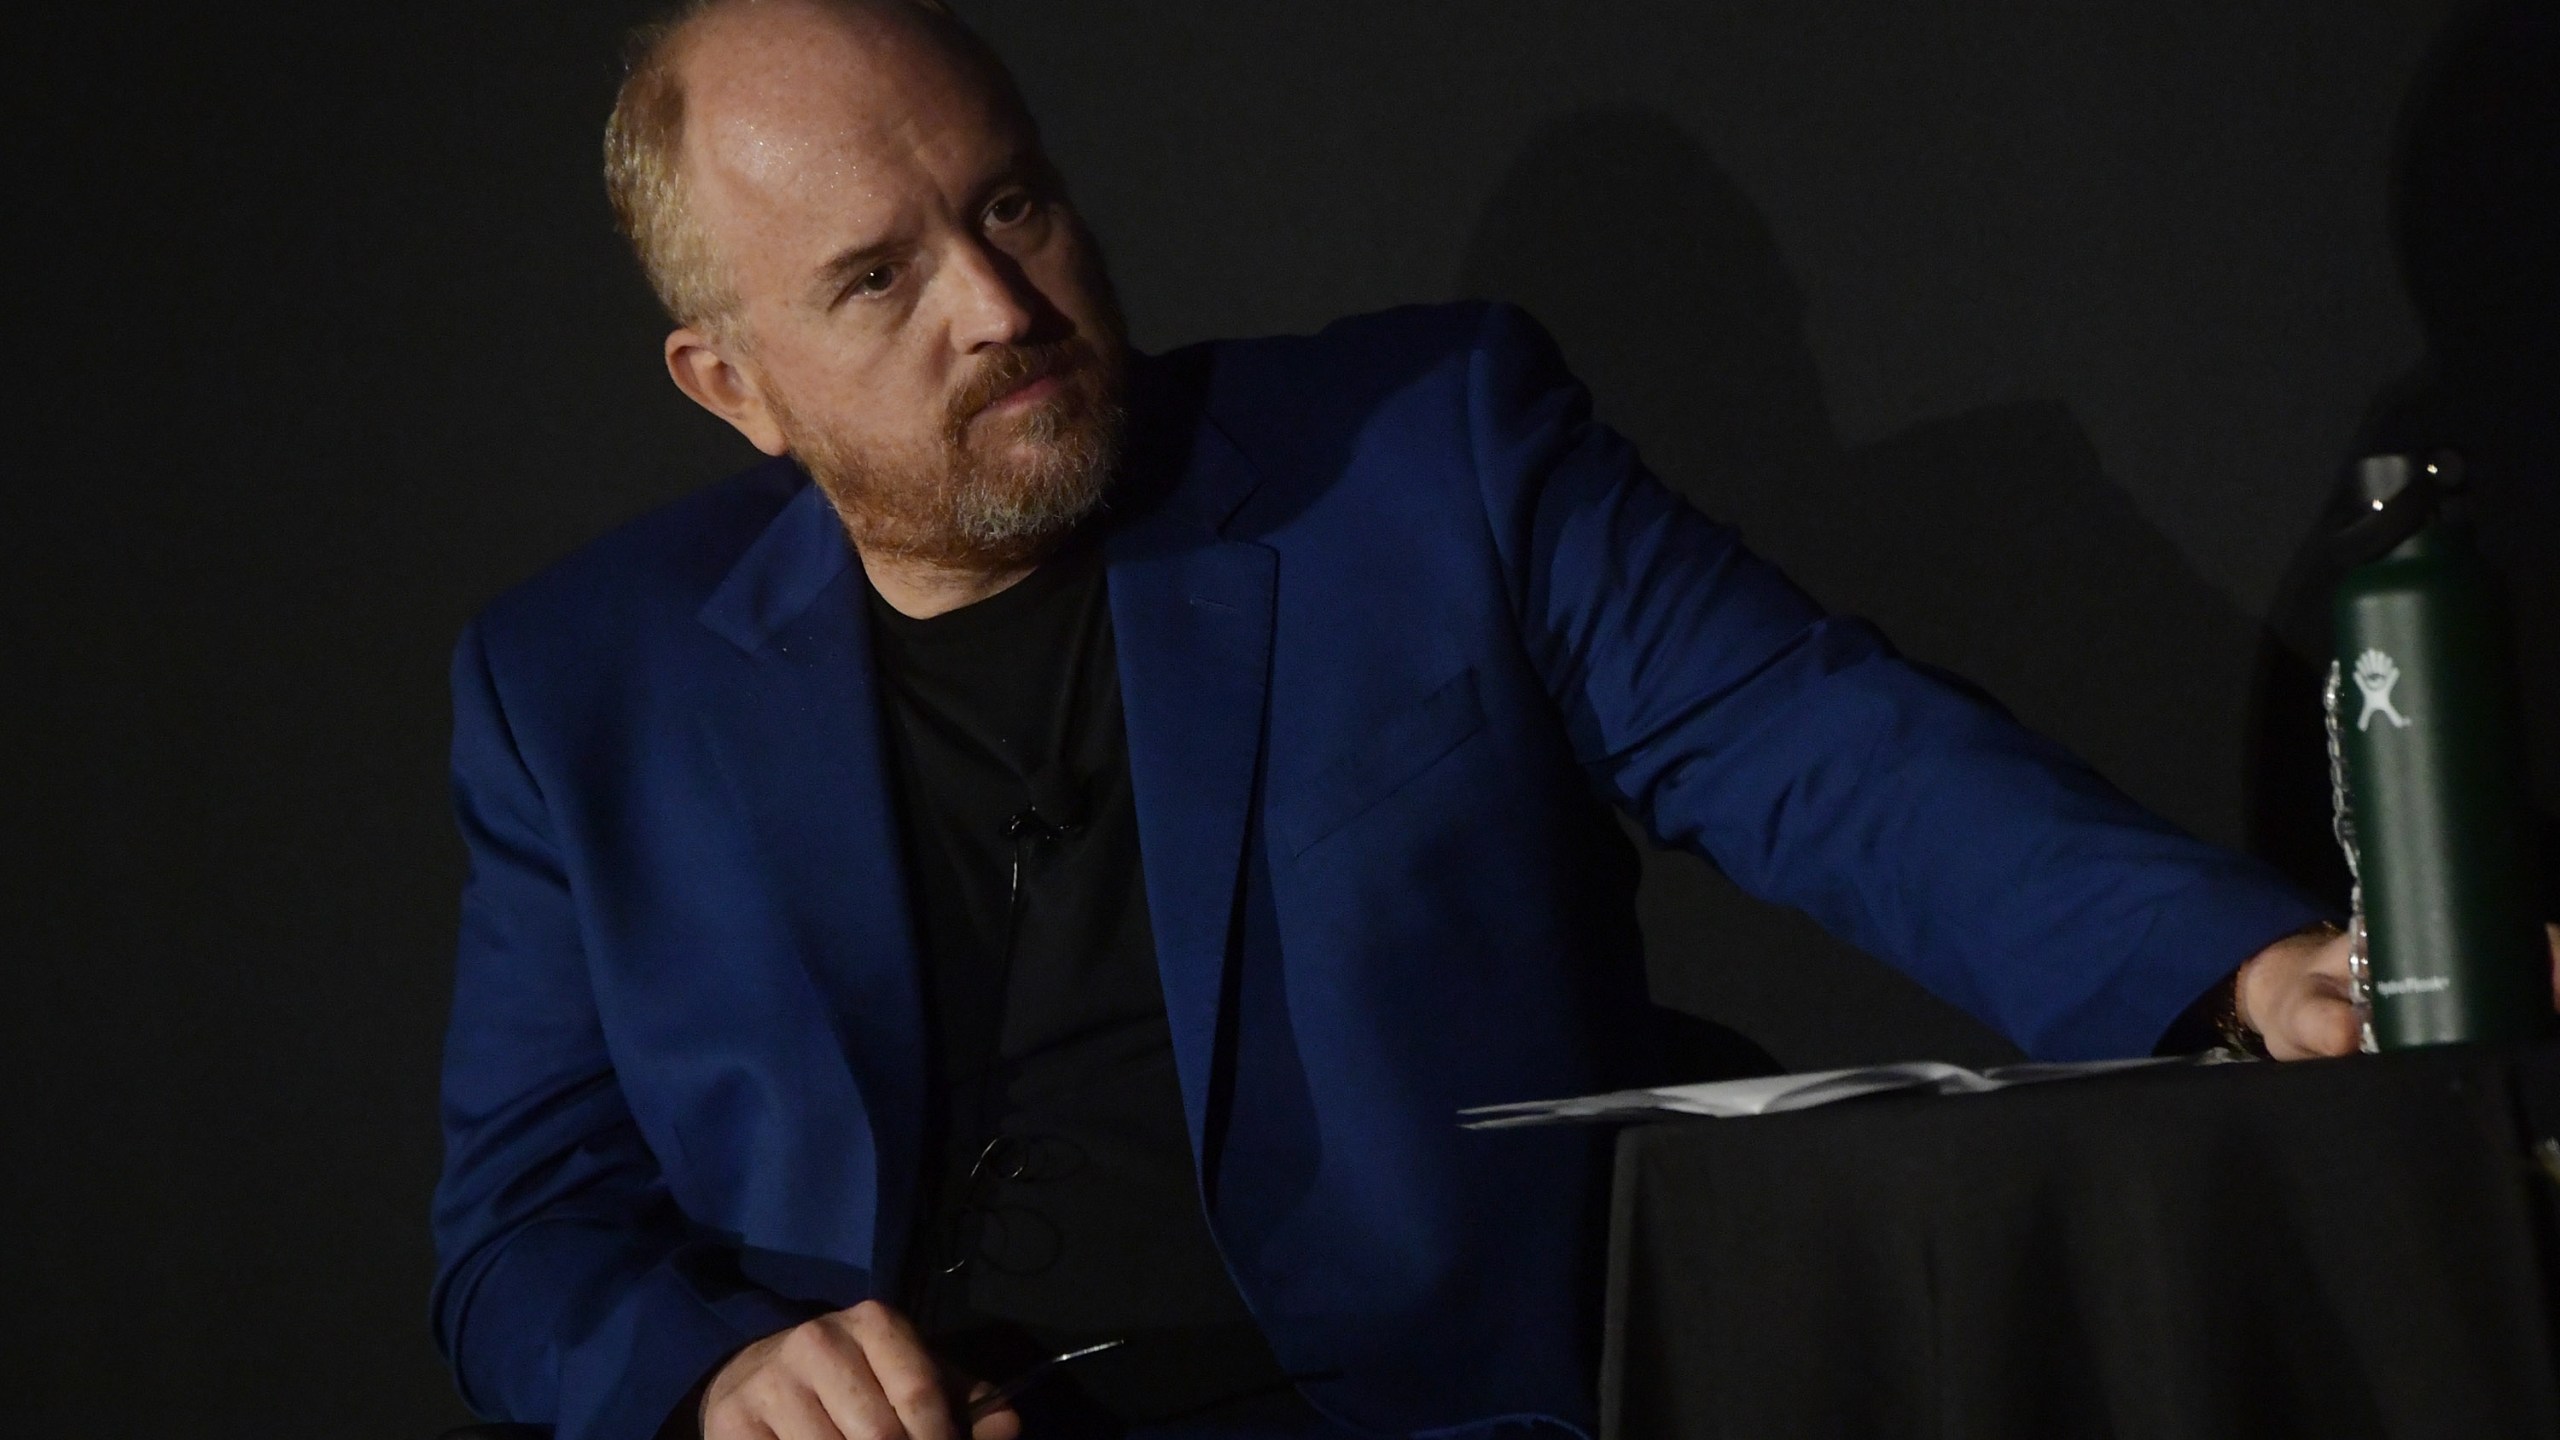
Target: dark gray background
x,y
2034,332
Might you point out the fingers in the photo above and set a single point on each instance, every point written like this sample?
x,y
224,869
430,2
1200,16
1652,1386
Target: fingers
x,y
2317,1016
2552,932
832,1385
824,1410
857,1374
1001,1423
732,1405
903,1371
2313,1025
2298,994
2332,961
733,1423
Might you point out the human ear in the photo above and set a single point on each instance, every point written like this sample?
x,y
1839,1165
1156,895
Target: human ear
x,y
702,370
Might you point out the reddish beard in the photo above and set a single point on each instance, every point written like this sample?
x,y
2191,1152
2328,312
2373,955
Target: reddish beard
x,y
992,489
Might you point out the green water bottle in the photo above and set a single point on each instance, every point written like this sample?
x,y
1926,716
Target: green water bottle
x,y
2430,770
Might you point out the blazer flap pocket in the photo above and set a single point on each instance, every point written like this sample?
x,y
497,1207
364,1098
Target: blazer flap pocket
x,y
1388,759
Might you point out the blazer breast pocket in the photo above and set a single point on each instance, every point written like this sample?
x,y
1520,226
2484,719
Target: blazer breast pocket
x,y
1391,757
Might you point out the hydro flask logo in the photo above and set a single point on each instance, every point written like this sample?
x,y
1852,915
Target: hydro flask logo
x,y
2375,675
2422,985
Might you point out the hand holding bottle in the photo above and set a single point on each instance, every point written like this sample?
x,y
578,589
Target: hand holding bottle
x,y
2297,995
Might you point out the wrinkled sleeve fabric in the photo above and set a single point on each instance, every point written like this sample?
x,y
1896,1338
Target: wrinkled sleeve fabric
x,y
1796,751
568,1289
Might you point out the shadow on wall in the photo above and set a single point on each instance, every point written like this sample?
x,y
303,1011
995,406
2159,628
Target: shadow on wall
x,y
2476,220
1990,543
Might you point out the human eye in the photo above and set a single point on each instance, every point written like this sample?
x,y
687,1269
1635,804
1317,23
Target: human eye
x,y
878,280
1012,208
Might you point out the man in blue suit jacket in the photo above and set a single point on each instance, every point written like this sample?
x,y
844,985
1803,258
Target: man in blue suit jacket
x,y
1395,623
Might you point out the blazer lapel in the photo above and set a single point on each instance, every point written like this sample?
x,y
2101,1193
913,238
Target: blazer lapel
x,y
801,742
1192,619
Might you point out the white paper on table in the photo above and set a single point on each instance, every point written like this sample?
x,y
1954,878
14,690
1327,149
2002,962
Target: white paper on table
x,y
1774,1094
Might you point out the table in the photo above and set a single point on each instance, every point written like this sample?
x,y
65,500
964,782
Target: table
x,y
2357,1247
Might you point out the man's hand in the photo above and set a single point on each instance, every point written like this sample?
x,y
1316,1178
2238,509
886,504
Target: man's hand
x,y
858,1374
2296,995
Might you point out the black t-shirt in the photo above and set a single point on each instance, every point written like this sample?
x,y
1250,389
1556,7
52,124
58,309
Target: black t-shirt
x,y
1059,1204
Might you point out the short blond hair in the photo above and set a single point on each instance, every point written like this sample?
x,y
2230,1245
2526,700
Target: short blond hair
x,y
644,168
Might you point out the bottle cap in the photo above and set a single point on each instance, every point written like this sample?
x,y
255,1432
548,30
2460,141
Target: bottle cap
x,y
2392,497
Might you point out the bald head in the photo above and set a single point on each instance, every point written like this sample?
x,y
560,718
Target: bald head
x,y
753,100
873,268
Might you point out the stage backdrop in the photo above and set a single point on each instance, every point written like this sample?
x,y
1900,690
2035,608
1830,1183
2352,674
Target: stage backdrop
x,y
2034,333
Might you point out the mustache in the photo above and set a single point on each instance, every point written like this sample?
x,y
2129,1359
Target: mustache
x,y
1009,370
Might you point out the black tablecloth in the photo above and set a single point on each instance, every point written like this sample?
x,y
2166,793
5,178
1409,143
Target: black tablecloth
x,y
2357,1247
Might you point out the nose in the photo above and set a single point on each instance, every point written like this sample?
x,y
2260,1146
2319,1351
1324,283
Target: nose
x,y
993,305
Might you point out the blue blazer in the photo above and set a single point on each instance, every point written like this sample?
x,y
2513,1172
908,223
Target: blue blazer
x,y
1396,621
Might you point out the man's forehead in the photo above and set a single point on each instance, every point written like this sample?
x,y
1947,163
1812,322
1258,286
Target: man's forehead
x,y
798,104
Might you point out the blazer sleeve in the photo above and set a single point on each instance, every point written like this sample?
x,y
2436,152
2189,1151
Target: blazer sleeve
x,y
568,1289
1793,749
